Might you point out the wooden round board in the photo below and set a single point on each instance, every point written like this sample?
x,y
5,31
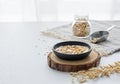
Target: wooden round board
x,y
72,66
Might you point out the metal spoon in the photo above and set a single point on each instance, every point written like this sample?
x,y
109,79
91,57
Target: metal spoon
x,y
100,36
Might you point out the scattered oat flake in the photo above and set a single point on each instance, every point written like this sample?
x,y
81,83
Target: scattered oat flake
x,y
93,73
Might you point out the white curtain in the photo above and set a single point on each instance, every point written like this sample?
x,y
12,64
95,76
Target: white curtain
x,y
17,10
57,10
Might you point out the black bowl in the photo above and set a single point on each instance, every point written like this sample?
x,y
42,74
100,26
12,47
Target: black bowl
x,y
72,56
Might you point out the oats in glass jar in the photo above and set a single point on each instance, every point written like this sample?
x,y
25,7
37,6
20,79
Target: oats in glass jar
x,y
81,27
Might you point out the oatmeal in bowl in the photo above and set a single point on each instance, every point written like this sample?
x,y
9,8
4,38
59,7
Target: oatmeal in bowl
x,y
72,50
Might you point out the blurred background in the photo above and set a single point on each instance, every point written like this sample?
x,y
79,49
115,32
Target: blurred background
x,y
57,10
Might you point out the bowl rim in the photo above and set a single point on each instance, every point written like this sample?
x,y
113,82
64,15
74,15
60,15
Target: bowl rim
x,y
90,48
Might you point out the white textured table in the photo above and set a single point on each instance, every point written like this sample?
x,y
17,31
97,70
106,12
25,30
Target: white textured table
x,y
23,58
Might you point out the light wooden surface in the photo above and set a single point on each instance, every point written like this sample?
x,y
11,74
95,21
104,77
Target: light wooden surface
x,y
23,56
56,63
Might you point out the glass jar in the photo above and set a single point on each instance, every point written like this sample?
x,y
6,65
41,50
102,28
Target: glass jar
x,y
81,26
